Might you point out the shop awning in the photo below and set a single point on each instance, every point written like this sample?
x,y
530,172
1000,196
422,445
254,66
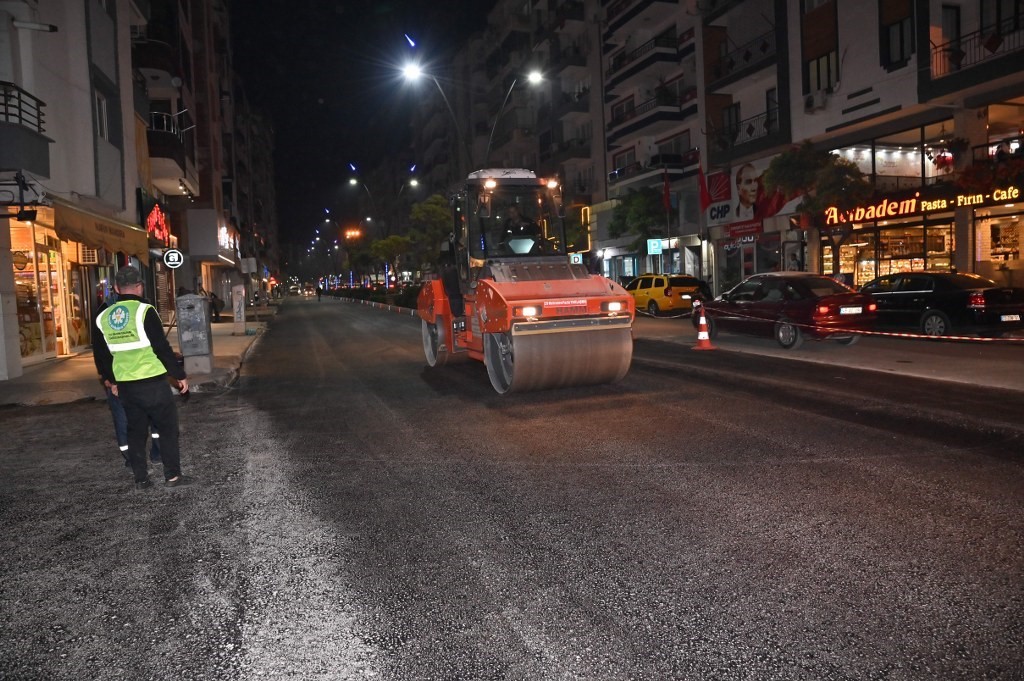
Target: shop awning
x,y
72,223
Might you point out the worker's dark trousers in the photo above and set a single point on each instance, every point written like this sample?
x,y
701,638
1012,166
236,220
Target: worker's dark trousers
x,y
146,402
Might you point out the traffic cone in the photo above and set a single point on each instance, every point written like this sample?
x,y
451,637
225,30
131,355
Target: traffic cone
x,y
703,337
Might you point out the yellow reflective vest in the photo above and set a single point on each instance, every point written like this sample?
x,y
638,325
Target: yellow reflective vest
x,y
122,327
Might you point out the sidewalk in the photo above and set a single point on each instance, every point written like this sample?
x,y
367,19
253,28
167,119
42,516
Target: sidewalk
x,y
74,378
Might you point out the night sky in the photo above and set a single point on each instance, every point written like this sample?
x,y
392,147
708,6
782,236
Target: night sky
x,y
325,71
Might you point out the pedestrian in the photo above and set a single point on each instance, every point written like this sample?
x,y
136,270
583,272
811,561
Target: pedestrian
x,y
319,292
121,430
134,360
117,410
216,305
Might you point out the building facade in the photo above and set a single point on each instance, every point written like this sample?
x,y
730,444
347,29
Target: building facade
x,y
695,100
112,145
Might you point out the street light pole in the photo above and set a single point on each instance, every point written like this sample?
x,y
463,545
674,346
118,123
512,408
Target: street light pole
x,y
534,77
412,72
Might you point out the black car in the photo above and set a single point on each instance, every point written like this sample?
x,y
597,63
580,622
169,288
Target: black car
x,y
946,303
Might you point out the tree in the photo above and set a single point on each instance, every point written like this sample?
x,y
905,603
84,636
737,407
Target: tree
x,y
432,223
640,212
391,250
824,180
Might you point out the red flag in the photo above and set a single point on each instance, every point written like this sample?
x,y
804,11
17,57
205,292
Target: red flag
x,y
666,195
705,195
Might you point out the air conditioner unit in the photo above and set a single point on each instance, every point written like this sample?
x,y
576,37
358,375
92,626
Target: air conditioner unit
x,y
815,101
89,256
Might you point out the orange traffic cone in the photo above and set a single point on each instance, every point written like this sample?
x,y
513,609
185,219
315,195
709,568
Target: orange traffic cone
x,y
703,337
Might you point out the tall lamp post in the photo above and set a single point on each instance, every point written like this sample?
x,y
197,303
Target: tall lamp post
x,y
533,78
413,72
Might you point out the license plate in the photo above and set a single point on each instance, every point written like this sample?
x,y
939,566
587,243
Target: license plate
x,y
851,309
1010,318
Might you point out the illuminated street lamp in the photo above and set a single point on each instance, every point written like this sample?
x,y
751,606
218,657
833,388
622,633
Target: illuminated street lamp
x,y
533,78
413,72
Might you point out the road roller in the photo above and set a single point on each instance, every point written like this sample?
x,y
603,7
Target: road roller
x,y
514,294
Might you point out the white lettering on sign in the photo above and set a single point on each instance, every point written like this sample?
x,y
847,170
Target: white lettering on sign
x,y
565,303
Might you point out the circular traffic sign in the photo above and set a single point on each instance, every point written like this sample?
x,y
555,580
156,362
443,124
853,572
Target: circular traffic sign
x,y
173,258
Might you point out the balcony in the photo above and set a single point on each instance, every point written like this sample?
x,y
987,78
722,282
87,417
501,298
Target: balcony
x,y
573,105
23,146
974,49
157,60
748,58
712,9
567,60
570,149
655,116
656,58
166,152
569,11
639,174
625,14
746,136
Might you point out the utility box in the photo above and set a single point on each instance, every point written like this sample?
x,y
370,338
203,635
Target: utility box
x,y
195,341
238,306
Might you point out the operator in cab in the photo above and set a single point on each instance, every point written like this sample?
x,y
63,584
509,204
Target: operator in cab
x,y
522,236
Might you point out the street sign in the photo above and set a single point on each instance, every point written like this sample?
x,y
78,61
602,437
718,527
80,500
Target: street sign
x,y
576,258
173,258
654,246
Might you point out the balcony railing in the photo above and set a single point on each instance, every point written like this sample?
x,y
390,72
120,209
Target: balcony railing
x,y
164,122
975,48
21,108
748,54
747,130
661,98
657,162
623,59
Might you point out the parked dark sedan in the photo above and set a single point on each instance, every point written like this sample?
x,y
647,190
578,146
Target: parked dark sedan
x,y
946,303
791,306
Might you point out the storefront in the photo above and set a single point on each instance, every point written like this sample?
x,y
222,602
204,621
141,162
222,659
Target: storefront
x,y
917,231
62,264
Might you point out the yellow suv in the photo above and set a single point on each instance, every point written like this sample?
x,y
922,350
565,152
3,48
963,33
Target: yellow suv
x,y
658,293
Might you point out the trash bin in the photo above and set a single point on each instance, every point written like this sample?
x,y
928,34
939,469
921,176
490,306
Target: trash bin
x,y
195,341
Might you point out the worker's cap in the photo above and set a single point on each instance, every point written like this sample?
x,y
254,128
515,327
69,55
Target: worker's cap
x,y
128,276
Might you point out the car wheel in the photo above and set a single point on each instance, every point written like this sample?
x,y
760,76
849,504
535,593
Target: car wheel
x,y
935,323
652,309
788,334
849,340
712,326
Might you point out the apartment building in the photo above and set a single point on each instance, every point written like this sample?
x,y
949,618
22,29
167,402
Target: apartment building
x,y
925,96
69,170
113,140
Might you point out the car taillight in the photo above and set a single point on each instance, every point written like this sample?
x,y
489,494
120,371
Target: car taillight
x,y
872,307
822,309
976,301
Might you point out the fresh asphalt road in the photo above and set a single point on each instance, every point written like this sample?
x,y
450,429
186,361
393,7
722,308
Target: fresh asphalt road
x,y
357,515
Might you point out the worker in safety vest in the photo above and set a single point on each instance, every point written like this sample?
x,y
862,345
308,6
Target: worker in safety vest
x,y
134,359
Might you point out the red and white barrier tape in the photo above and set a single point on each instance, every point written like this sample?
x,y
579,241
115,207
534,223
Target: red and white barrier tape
x,y
892,334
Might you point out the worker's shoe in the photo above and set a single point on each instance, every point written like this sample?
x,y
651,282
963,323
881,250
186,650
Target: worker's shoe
x,y
145,484
177,481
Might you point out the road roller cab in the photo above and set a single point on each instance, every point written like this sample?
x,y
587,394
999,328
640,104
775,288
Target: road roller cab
x,y
508,294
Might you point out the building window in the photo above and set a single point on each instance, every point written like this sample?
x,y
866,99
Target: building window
x,y
811,5
623,110
822,73
1001,16
680,144
100,115
771,107
899,43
